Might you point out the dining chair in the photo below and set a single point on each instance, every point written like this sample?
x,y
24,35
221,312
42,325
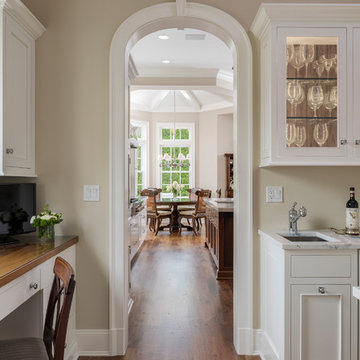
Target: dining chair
x,y
154,214
192,197
52,345
199,213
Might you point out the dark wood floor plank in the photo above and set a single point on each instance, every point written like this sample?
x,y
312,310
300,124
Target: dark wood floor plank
x,y
181,312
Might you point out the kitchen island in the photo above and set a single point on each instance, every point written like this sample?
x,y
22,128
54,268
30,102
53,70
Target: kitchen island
x,y
220,235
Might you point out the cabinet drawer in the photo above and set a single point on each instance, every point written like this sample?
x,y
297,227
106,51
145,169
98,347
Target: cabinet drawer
x,y
18,291
320,266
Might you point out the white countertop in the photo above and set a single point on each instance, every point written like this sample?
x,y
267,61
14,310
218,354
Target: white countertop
x,y
221,204
334,242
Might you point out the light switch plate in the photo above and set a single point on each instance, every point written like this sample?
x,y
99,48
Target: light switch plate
x,y
274,194
91,192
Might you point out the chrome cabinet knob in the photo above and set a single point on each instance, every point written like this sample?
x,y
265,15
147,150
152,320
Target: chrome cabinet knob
x,y
357,142
321,290
33,286
9,150
343,142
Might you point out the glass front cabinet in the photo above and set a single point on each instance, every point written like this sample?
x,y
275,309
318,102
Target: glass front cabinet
x,y
309,84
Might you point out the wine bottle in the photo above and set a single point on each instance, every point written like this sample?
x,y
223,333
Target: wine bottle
x,y
352,214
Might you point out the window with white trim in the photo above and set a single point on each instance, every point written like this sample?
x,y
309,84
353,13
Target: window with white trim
x,y
142,156
176,145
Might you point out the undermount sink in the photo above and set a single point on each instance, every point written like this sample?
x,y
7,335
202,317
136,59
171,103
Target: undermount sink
x,y
297,238
307,236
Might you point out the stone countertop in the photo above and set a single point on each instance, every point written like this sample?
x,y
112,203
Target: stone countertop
x,y
334,241
222,204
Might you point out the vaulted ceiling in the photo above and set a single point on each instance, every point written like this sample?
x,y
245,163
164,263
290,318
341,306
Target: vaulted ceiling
x,y
194,63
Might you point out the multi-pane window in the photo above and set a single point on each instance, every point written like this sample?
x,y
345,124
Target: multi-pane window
x,y
175,149
141,169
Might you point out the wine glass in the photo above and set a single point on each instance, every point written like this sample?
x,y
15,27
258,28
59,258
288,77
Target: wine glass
x,y
290,134
328,63
300,136
321,133
333,95
319,67
289,54
335,63
295,94
297,60
329,103
315,97
308,54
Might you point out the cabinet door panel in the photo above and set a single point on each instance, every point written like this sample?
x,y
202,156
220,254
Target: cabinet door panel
x,y
320,322
18,108
312,111
356,96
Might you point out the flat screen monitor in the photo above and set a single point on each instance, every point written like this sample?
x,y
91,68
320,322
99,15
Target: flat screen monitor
x,y
17,206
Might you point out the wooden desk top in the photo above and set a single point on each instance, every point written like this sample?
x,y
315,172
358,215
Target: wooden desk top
x,y
17,259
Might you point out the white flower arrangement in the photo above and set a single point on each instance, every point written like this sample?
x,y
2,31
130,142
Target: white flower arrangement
x,y
175,187
46,218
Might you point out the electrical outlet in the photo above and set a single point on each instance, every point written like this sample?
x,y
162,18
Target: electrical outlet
x,y
274,194
91,192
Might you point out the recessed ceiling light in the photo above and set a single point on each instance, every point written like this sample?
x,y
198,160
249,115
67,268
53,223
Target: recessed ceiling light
x,y
165,61
163,37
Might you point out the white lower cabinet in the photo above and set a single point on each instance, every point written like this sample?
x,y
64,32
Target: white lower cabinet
x,y
320,322
307,308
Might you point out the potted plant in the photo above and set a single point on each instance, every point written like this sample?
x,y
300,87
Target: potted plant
x,y
175,188
45,222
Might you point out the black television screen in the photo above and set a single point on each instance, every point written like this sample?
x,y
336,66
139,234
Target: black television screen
x,y
17,206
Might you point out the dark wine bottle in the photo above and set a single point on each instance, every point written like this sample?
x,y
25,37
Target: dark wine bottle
x,y
352,214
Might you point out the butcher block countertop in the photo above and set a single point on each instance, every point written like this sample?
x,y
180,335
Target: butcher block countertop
x,y
17,259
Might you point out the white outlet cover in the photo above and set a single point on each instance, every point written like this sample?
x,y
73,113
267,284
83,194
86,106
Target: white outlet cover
x,y
274,194
91,192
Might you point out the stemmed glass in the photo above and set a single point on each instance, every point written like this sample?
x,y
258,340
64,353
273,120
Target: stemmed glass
x,y
321,133
289,54
297,60
329,103
315,97
328,63
308,54
319,67
300,136
290,134
295,94
333,95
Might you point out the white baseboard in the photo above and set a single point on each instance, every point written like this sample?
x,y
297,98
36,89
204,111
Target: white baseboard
x,y
94,342
264,347
244,341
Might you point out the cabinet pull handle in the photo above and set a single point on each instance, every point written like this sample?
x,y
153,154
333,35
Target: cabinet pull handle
x,y
321,290
9,150
343,142
357,142
33,286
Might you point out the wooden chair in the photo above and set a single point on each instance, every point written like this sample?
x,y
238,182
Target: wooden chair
x,y
155,215
192,197
198,214
52,346
218,192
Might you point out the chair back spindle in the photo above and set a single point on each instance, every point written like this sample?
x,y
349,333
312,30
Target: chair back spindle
x,y
200,206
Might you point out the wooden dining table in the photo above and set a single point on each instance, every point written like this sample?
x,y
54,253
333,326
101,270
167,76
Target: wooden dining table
x,y
174,203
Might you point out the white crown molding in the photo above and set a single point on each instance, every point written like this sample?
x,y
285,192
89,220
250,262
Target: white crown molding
x,y
309,13
133,71
181,8
174,72
23,16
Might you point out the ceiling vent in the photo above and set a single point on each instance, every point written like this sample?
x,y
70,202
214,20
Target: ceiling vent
x,y
195,36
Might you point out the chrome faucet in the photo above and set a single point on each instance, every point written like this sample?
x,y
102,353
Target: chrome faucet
x,y
294,216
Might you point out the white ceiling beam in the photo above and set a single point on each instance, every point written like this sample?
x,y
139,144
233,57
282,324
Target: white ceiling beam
x,y
158,99
171,83
181,7
191,98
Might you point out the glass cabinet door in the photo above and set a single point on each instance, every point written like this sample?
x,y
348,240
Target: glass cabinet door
x,y
310,91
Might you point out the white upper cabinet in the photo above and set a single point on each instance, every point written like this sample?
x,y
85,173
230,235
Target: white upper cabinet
x,y
17,65
309,56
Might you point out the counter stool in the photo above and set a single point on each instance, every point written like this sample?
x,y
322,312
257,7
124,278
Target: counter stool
x,y
52,346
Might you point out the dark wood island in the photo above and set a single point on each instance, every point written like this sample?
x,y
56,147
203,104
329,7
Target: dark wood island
x,y
220,235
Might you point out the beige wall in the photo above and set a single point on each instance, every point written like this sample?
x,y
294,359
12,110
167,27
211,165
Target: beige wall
x,y
72,148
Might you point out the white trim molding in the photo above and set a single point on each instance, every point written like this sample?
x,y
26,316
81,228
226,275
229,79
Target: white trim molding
x,y
93,342
226,28
263,346
23,16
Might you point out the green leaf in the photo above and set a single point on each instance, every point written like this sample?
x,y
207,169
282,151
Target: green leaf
x,y
165,134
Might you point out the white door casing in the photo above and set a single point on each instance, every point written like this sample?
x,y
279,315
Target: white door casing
x,y
225,27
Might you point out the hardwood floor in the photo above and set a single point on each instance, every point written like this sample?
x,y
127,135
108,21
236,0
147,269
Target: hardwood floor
x,y
180,311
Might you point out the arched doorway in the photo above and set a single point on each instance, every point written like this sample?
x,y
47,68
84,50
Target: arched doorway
x,y
222,25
